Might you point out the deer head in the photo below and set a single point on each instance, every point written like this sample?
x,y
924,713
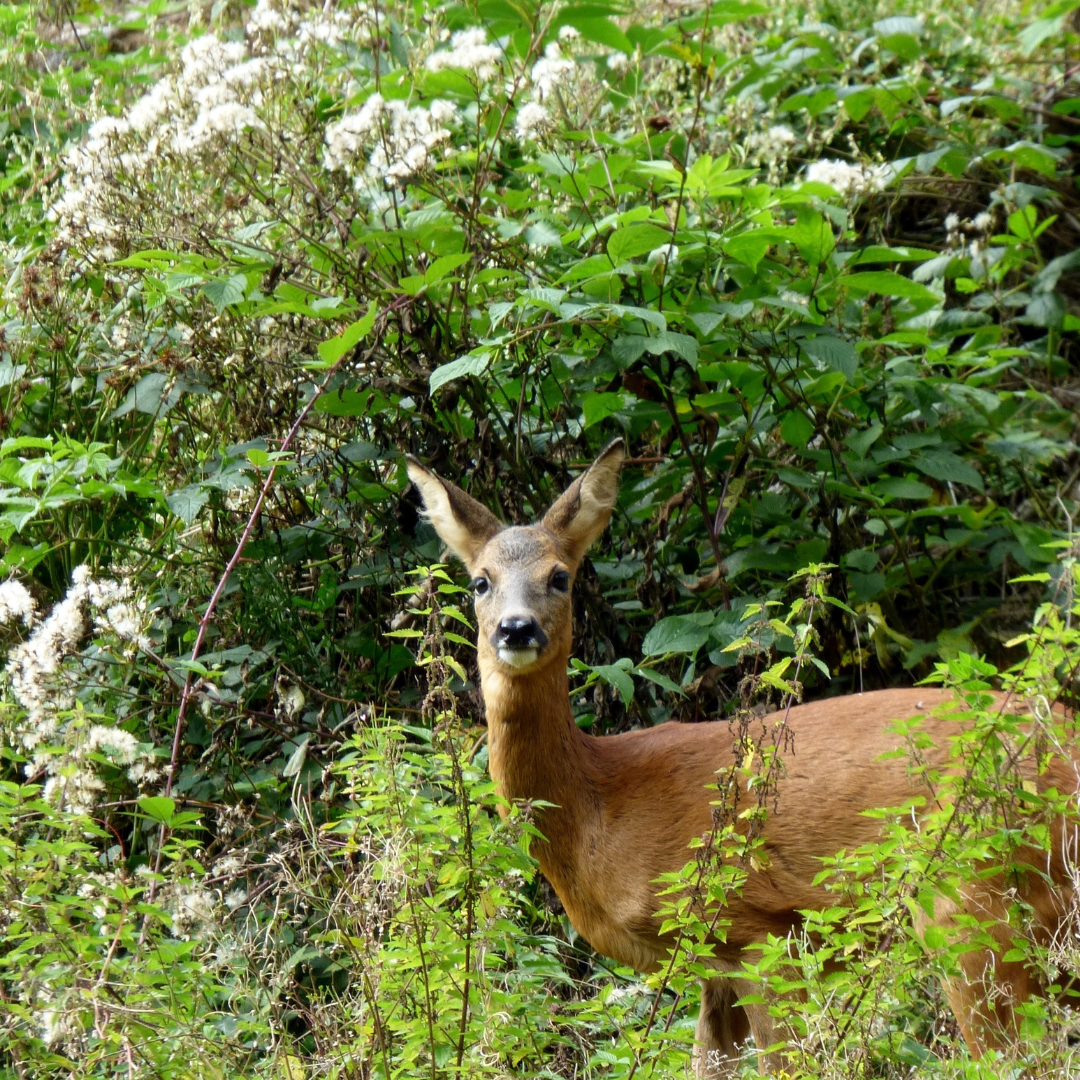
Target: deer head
x,y
521,575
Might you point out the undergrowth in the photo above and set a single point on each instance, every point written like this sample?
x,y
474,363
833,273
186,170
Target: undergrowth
x,y
818,266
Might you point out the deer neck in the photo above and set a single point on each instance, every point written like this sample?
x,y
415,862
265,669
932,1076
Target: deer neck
x,y
536,751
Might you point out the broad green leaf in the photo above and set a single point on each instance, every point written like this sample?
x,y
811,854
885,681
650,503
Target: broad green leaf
x,y
832,353
888,283
619,678
895,488
796,429
186,502
158,807
475,363
597,407
332,350
813,236
221,292
635,240
677,634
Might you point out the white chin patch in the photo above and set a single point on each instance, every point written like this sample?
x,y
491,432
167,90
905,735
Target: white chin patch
x,y
518,657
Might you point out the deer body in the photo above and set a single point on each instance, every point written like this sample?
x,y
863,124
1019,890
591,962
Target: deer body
x,y
624,808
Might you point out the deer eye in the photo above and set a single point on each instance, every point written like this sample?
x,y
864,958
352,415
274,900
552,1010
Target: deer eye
x,y
560,581
479,585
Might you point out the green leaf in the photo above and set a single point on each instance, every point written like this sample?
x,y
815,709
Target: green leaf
x,y
796,429
888,283
832,353
597,407
944,465
750,247
617,676
158,807
813,236
333,349
297,758
861,441
896,488
221,292
443,265
602,31
635,240
661,680
187,502
677,634
474,363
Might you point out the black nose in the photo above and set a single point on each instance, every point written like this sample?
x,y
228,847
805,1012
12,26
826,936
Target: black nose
x,y
519,632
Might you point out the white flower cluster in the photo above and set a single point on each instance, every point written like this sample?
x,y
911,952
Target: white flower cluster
x,y
773,144
208,104
192,911
981,224
551,70
16,603
532,118
847,179
46,691
469,51
401,140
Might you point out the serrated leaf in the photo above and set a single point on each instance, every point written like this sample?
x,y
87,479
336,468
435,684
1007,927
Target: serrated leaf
x,y
832,353
158,807
187,502
333,349
617,677
796,429
221,292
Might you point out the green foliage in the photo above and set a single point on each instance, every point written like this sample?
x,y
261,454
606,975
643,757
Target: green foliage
x,y
820,272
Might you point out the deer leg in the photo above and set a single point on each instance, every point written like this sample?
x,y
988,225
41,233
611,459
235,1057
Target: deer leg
x,y
987,990
723,1029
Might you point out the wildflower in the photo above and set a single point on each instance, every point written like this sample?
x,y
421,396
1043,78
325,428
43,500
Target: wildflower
x,y
618,61
442,112
531,119
551,70
569,33
192,909
469,51
983,222
75,789
848,179
143,773
153,106
952,223
235,898
266,19
405,137
119,744
15,603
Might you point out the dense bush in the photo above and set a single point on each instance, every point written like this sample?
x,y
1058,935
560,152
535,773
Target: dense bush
x,y
820,270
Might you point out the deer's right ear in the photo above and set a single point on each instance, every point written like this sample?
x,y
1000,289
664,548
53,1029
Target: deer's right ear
x,y
463,524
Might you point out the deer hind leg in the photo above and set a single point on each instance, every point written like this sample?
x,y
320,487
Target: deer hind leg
x,y
985,994
724,1029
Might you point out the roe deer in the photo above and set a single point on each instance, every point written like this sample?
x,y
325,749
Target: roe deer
x,y
626,807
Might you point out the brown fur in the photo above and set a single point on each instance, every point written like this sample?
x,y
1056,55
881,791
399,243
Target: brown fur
x,y
626,807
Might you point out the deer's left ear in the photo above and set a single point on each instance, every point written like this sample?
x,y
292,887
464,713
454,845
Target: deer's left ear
x,y
582,512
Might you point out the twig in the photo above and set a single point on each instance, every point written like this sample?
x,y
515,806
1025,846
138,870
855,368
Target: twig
x,y
204,622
